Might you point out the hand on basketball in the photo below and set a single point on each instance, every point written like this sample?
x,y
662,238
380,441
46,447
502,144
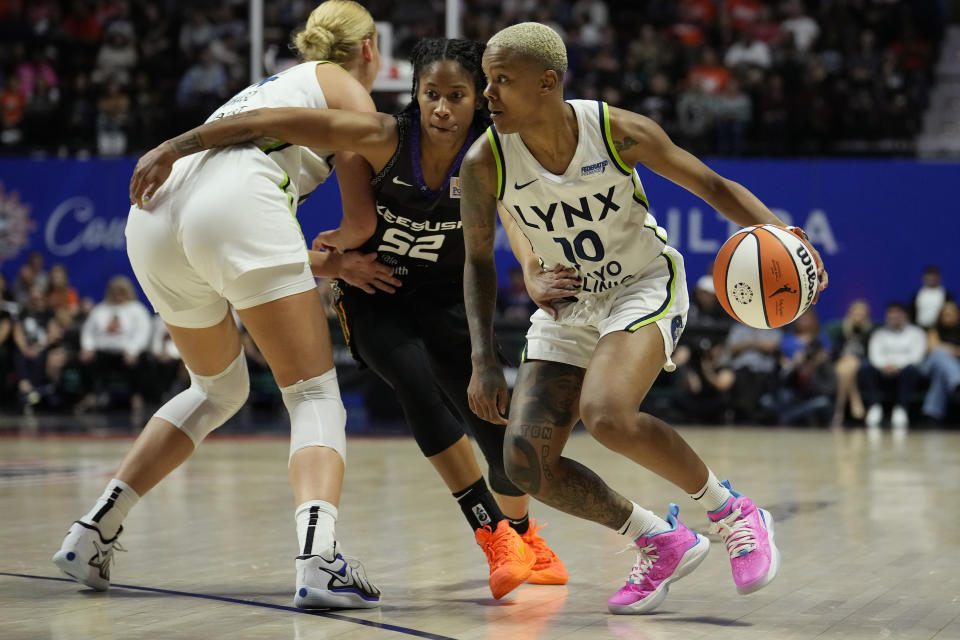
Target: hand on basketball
x,y
821,270
152,170
487,393
363,271
545,286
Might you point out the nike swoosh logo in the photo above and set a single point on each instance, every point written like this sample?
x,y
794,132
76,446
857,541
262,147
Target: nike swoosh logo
x,y
525,184
397,180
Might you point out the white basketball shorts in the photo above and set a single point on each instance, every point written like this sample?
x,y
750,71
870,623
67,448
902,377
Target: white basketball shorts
x,y
222,229
657,295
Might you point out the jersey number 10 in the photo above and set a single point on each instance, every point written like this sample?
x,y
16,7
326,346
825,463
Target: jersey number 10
x,y
402,243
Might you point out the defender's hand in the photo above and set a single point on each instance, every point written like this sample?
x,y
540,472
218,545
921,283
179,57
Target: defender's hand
x,y
487,393
545,286
363,271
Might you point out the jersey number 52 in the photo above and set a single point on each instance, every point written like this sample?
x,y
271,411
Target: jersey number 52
x,y
402,243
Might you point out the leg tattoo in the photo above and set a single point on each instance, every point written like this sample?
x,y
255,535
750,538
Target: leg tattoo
x,y
544,411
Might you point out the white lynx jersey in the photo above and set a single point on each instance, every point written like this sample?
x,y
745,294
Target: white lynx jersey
x,y
293,87
593,216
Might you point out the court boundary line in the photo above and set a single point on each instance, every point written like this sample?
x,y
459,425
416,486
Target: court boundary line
x,y
251,603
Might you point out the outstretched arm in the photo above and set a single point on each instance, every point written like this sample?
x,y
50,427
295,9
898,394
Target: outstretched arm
x,y
369,134
487,392
638,139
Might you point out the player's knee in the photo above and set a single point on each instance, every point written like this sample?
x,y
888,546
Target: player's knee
x,y
317,416
500,483
209,401
606,423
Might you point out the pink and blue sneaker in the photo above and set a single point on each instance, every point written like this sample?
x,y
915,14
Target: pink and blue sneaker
x,y
662,558
747,532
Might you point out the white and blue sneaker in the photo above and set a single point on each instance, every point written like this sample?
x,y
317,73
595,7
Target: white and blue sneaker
x,y
86,556
333,583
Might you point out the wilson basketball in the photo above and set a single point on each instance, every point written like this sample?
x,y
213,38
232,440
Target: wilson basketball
x,y
765,276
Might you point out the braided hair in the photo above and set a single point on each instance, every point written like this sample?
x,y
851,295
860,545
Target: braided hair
x,y
466,53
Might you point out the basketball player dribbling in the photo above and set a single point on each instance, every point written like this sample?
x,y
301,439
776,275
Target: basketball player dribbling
x,y
415,339
564,172
222,231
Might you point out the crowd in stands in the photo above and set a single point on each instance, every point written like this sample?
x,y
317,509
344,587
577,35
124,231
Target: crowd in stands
x,y
723,77
62,353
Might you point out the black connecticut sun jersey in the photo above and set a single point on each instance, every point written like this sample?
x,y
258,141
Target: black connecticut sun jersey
x,y
419,232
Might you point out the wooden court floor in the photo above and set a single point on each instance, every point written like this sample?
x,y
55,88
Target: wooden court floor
x,y
869,531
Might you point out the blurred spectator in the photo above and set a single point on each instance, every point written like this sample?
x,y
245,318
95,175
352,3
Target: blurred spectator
x,y
203,86
942,364
60,295
113,121
732,111
748,51
118,55
13,105
31,338
709,76
114,338
34,70
40,277
803,28
24,283
744,14
929,299
754,362
79,114
808,378
894,354
196,34
849,338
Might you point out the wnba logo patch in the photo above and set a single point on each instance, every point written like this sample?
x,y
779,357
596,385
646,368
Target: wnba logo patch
x,y
455,187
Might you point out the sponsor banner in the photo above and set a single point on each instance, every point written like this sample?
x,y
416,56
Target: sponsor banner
x,y
877,223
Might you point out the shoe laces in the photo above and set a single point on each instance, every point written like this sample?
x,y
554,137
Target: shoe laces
x,y
499,548
538,544
737,534
647,556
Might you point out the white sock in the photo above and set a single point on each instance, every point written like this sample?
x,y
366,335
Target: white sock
x,y
712,495
112,508
642,522
315,527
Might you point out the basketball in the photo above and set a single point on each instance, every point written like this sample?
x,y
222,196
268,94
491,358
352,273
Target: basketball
x,y
765,276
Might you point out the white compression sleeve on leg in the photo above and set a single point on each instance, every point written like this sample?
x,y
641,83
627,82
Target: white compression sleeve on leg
x,y
209,401
317,416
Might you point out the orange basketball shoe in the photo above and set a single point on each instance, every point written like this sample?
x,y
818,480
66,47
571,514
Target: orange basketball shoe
x,y
549,568
511,560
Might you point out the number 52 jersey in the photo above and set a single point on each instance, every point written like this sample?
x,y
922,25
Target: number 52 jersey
x,y
593,217
419,232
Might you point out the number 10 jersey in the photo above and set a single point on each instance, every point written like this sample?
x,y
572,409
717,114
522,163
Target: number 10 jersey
x,y
593,217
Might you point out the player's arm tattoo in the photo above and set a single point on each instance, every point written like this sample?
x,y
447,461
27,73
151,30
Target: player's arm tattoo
x,y
223,132
478,210
545,400
625,143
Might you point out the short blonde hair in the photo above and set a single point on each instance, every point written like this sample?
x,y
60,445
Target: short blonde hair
x,y
334,30
536,41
